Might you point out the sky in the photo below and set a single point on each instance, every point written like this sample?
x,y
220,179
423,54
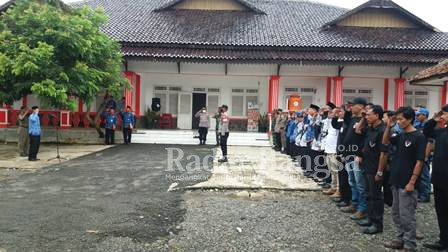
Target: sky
x,y
432,11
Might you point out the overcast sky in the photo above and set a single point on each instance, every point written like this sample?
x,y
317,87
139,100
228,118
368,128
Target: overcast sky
x,y
432,11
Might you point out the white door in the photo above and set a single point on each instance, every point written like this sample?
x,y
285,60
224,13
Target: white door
x,y
212,108
184,115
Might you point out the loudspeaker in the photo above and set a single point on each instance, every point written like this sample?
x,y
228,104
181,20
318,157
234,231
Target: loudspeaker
x,y
155,104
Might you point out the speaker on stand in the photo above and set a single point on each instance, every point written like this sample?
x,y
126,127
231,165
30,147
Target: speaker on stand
x,y
155,106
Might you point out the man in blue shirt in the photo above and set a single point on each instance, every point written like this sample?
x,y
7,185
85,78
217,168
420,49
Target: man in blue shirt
x,y
128,124
111,125
34,131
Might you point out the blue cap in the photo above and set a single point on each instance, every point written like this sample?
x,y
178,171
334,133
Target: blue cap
x,y
423,111
298,113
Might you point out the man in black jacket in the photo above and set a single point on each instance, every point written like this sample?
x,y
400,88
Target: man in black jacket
x,y
440,175
352,146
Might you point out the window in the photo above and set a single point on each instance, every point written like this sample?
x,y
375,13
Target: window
x,y
169,98
350,94
415,98
241,99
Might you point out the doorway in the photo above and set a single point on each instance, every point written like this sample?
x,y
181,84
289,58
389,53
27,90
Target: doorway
x,y
199,101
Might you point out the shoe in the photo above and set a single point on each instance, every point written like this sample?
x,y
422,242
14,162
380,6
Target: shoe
x,y
222,160
23,155
329,192
336,195
436,246
349,209
372,230
358,216
420,200
364,222
398,245
32,159
343,204
419,236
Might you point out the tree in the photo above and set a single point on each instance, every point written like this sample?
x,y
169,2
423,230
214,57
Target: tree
x,y
58,54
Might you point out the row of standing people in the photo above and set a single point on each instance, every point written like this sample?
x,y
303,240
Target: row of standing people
x,y
366,157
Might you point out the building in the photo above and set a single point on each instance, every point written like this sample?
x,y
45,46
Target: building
x,y
191,53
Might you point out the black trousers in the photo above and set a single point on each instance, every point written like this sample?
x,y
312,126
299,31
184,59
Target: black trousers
x,y
110,136
375,200
304,158
276,140
387,189
441,202
224,143
202,135
127,134
34,147
344,186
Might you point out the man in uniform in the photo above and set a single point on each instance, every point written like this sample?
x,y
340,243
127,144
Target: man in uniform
x,y
111,125
128,124
24,138
440,176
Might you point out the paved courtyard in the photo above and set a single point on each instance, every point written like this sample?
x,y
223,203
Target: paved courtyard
x,y
125,199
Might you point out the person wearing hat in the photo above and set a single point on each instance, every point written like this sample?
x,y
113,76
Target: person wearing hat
x,y
424,190
352,145
440,175
312,130
24,138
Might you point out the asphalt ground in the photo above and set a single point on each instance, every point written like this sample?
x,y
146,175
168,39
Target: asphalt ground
x,y
116,199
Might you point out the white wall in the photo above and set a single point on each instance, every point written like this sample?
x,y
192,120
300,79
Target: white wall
x,y
257,76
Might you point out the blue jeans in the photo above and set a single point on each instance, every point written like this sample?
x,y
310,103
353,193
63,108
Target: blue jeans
x,y
424,189
358,186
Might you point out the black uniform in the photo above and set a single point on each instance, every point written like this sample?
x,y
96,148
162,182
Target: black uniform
x,y
440,176
373,145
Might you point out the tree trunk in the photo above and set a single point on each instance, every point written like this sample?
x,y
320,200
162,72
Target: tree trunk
x,y
97,115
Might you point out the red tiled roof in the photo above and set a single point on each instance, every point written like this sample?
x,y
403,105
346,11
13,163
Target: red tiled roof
x,y
439,71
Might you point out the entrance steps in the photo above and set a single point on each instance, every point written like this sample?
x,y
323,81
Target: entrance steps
x,y
186,137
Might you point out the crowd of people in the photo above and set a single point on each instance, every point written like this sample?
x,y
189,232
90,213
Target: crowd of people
x,y
365,158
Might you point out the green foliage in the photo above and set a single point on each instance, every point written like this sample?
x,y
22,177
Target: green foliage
x,y
57,53
263,123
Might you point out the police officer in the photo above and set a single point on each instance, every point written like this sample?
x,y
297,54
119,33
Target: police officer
x,y
24,138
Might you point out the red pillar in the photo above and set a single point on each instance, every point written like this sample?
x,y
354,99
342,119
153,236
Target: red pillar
x,y
444,90
328,89
386,94
137,95
274,84
399,92
337,93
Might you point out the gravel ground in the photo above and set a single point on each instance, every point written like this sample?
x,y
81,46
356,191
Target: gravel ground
x,y
279,221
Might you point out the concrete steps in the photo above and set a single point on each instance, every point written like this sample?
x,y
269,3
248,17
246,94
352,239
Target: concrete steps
x,y
186,137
